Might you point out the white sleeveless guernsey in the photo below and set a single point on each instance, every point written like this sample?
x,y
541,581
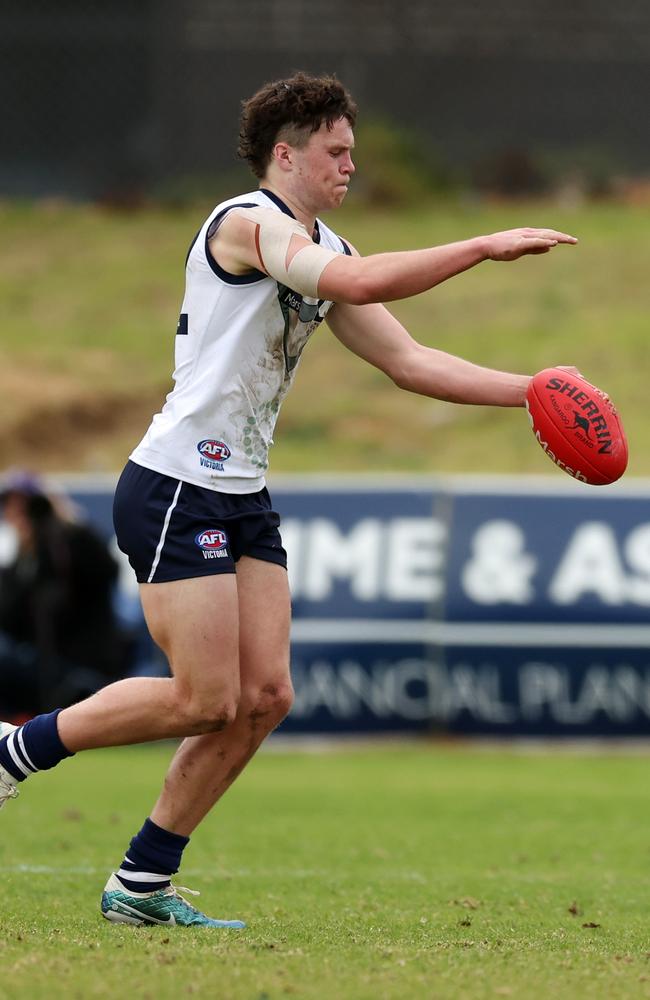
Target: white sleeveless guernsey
x,y
238,343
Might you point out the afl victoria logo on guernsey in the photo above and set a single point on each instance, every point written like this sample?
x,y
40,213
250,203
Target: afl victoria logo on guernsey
x,y
213,453
213,543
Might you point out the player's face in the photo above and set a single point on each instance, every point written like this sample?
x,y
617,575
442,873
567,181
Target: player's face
x,y
324,165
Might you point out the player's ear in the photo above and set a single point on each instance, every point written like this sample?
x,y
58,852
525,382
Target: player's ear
x,y
283,155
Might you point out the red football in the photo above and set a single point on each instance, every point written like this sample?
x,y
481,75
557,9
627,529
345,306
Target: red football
x,y
577,426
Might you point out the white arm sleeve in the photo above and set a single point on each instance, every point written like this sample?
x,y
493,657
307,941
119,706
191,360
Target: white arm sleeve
x,y
273,234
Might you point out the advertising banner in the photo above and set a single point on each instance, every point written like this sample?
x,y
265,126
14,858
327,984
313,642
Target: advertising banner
x,y
459,606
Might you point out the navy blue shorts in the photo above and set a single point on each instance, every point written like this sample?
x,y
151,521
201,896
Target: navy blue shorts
x,y
172,530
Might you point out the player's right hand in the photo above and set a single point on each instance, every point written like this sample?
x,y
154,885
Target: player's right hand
x,y
516,243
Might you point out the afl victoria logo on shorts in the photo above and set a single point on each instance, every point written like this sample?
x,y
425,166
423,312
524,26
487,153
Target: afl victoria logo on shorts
x,y
213,543
213,453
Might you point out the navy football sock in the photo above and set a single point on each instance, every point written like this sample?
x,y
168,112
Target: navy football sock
x,y
152,858
36,746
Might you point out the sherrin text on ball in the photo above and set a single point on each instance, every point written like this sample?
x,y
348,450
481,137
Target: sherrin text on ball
x,y
577,426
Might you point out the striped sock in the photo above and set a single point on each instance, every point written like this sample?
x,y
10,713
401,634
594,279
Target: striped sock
x,y
153,857
36,746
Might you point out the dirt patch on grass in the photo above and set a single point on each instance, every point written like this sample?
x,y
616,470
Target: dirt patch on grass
x,y
75,431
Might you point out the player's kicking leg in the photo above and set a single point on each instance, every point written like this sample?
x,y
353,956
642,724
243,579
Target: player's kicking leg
x,y
205,766
202,696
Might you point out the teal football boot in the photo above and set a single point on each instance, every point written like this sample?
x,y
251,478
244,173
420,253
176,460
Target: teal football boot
x,y
164,906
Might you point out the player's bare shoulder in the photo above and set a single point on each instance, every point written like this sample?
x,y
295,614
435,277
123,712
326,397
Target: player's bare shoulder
x,y
233,243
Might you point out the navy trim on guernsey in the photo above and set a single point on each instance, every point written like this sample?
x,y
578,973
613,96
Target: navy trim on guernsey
x,y
231,279
346,248
287,211
278,201
187,256
252,276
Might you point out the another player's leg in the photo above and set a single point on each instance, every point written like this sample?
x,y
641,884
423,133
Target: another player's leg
x,y
205,766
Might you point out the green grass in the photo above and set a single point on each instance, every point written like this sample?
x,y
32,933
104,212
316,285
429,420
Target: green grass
x,y
91,300
408,872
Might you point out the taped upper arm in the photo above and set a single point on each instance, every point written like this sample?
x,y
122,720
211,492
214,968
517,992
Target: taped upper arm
x,y
284,250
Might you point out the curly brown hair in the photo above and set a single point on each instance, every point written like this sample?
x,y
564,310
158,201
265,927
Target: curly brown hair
x,y
290,110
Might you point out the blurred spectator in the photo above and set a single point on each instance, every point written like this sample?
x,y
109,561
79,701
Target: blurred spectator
x,y
59,639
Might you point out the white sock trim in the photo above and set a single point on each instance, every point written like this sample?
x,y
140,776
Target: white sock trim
x,y
13,753
124,873
19,736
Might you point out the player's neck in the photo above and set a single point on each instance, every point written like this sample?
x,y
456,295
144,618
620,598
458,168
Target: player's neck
x,y
302,213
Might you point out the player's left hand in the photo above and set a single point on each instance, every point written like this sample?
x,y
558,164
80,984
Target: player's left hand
x,y
515,243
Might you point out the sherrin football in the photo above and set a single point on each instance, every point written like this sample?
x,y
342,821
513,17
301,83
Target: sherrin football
x,y
577,426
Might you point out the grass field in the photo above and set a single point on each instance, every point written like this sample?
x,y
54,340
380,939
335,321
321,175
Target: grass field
x,y
416,871
90,300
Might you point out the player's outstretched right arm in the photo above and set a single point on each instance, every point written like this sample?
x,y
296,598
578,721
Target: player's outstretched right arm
x,y
262,238
389,276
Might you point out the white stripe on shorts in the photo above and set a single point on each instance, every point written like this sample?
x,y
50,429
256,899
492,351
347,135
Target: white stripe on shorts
x,y
161,541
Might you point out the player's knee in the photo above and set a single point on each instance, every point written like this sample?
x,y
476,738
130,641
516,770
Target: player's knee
x,y
216,718
267,705
209,715
282,699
